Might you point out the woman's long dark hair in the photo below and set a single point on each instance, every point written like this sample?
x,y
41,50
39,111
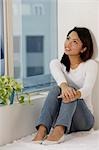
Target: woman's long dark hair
x,y
86,39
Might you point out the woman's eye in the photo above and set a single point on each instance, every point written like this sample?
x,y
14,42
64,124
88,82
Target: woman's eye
x,y
75,42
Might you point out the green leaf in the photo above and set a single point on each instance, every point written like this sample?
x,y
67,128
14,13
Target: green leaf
x,y
21,99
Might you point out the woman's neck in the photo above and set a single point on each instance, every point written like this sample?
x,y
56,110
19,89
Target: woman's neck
x,y
74,61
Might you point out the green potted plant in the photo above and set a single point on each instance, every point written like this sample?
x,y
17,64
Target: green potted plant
x,y
9,88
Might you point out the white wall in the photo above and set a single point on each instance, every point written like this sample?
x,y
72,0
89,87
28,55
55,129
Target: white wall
x,y
80,13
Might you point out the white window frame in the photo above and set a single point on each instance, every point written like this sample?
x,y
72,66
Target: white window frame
x,y
8,38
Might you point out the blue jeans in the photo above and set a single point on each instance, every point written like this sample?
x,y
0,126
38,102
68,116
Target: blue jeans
x,y
75,116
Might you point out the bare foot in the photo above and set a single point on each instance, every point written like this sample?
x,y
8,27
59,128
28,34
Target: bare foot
x,y
57,133
41,133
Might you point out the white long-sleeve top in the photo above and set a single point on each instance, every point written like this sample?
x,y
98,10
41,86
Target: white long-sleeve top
x,y
82,78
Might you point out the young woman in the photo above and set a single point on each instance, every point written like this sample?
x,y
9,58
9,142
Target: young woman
x,y
68,106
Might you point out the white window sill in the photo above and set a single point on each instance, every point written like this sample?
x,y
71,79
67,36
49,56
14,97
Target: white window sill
x,y
18,120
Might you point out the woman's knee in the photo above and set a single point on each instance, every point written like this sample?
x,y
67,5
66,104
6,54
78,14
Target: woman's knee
x,y
55,91
53,94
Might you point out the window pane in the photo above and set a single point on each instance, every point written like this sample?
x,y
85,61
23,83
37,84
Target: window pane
x,y
35,40
1,40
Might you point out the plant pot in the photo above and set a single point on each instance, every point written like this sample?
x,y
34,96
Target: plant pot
x,y
12,97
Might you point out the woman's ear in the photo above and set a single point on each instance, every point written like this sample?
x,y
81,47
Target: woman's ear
x,y
84,49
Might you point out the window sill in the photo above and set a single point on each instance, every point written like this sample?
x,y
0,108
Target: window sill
x,y
18,120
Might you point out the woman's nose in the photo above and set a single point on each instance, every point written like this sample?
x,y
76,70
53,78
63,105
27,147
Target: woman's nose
x,y
68,43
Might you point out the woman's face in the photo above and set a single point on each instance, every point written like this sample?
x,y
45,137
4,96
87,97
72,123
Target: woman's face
x,y
73,45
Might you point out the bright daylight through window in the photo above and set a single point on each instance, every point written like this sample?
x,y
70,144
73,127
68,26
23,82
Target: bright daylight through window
x,y
34,40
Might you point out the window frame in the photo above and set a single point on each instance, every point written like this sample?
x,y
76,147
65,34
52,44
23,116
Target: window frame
x,y
8,38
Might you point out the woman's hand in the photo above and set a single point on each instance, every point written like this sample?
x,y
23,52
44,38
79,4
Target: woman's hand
x,y
68,94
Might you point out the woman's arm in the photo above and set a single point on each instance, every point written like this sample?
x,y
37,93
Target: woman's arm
x,y
57,72
68,94
90,78
91,70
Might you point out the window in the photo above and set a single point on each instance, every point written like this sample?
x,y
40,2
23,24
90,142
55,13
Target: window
x,y
33,32
35,50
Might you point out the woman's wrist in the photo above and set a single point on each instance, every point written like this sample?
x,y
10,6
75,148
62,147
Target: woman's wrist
x,y
78,95
63,85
